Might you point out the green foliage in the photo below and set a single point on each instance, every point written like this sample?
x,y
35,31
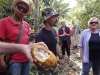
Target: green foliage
x,y
30,18
61,7
47,2
83,13
33,70
5,8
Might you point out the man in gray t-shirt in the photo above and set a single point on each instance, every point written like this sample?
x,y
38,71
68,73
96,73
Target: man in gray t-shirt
x,y
75,35
75,29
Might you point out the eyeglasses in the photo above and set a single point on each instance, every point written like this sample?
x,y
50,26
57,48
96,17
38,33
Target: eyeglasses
x,y
93,22
21,8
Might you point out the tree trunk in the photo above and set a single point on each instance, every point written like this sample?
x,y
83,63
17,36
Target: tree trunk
x,y
36,15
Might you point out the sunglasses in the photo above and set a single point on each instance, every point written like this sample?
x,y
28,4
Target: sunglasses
x,y
21,8
93,22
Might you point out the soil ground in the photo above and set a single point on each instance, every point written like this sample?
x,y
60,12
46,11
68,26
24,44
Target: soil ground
x,y
74,66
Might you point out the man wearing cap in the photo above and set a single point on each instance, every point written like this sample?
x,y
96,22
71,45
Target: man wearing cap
x,y
9,30
48,35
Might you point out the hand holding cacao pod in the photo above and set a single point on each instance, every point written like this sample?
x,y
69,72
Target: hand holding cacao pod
x,y
44,56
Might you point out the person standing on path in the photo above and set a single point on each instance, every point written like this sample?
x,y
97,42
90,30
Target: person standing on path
x,y
48,35
9,30
64,38
75,35
89,48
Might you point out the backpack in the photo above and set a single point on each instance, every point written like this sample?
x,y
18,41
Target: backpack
x,y
79,29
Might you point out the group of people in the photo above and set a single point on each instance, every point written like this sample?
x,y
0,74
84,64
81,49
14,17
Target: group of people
x,y
20,61
88,44
20,52
68,37
13,28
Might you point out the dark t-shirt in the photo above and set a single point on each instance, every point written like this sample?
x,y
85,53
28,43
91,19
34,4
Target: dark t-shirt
x,y
48,37
94,47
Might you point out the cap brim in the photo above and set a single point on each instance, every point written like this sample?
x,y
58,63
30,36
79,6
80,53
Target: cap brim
x,y
50,16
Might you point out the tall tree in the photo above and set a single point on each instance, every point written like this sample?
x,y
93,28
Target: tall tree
x,y
36,15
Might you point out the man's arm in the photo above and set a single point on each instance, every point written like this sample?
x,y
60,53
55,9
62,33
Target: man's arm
x,y
6,48
59,35
3,65
14,48
76,29
60,61
58,51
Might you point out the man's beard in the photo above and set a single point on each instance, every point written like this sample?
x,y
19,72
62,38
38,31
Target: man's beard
x,y
55,24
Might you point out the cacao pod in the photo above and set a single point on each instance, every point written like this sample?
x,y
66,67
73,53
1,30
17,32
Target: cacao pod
x,y
44,56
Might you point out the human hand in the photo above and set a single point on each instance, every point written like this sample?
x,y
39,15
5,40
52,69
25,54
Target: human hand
x,y
31,36
3,67
75,34
40,43
66,34
79,55
39,65
27,50
61,63
63,34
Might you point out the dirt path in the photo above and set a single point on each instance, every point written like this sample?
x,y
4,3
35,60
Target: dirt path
x,y
74,67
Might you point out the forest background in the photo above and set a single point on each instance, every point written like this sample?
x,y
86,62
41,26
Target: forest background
x,y
81,12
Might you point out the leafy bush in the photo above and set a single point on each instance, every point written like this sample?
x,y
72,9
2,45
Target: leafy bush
x,y
33,70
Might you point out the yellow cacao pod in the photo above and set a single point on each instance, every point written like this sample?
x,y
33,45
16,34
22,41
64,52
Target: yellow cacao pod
x,y
44,56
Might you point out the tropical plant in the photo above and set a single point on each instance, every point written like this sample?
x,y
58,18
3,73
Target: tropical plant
x,y
5,8
83,13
